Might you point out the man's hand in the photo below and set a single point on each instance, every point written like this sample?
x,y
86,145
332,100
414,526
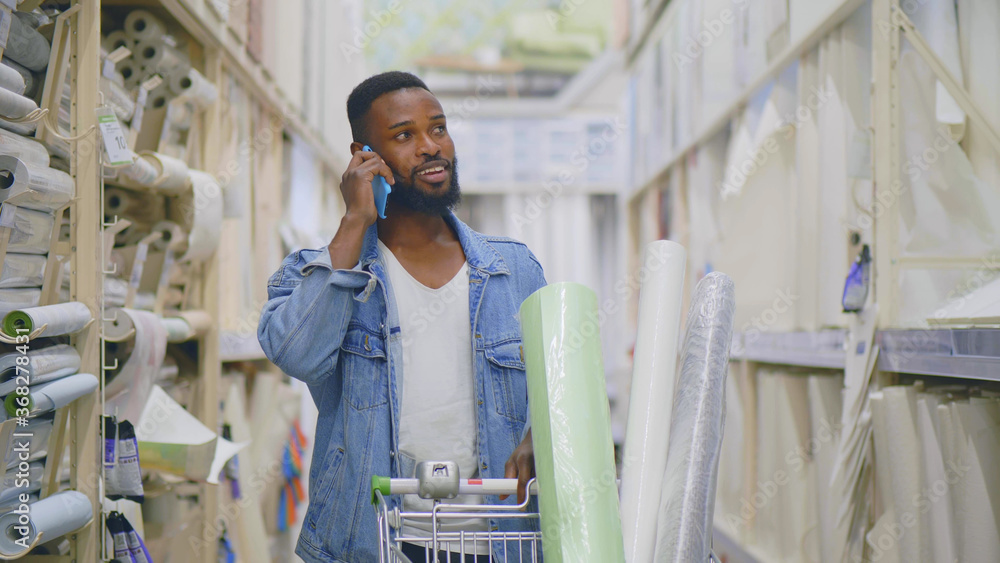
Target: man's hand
x,y
356,185
522,466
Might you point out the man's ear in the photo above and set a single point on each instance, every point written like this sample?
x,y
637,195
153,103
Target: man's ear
x,y
356,146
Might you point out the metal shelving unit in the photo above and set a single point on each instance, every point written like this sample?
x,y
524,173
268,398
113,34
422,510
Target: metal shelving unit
x,y
823,350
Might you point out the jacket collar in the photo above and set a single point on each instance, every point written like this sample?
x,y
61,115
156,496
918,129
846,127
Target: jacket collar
x,y
479,253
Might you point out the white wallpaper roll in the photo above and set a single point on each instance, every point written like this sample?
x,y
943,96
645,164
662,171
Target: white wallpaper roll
x,y
118,98
32,81
27,150
131,72
130,388
142,25
57,394
14,105
18,298
22,270
59,319
33,187
46,364
32,232
169,232
116,39
156,55
203,220
193,86
53,517
171,173
904,460
652,396
940,516
141,171
11,80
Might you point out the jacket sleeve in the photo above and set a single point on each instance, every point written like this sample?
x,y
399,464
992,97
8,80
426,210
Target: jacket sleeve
x,y
535,280
309,305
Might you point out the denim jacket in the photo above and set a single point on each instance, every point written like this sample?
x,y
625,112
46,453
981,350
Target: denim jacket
x,y
338,331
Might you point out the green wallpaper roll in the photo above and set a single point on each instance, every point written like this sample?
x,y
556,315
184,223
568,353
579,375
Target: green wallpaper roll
x,y
571,426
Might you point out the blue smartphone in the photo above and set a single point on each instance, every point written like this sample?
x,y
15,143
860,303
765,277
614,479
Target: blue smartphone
x,y
380,188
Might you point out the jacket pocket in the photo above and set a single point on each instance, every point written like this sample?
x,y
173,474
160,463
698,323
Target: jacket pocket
x,y
507,376
327,484
363,360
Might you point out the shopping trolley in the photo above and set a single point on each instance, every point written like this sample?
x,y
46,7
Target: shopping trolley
x,y
439,481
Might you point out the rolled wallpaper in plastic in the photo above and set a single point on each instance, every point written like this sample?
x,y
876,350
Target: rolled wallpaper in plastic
x,y
118,98
203,217
38,431
940,521
652,397
10,489
116,39
52,517
156,55
32,232
684,523
11,80
571,426
45,364
63,318
129,390
27,150
171,173
47,397
32,81
18,298
905,452
193,86
15,106
187,325
26,46
33,187
22,270
141,25
141,171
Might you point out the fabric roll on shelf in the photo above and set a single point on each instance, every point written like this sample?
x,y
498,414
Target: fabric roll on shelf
x,y
158,56
45,398
52,517
129,389
171,173
684,524
36,438
652,396
15,106
25,129
23,148
199,213
142,25
131,72
31,233
26,46
571,426
140,207
116,39
22,270
11,80
44,364
57,320
187,325
32,81
193,86
19,298
141,171
33,187
17,481
169,233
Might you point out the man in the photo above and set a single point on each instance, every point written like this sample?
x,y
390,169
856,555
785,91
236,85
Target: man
x,y
405,330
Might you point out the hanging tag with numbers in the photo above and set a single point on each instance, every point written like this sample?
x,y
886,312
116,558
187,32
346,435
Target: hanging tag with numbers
x,y
115,142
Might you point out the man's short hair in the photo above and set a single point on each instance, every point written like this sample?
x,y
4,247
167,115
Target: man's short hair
x,y
361,98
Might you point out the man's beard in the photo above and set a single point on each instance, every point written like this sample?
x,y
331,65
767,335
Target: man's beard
x,y
406,194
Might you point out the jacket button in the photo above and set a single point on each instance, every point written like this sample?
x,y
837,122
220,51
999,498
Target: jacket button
x,y
480,402
392,454
484,467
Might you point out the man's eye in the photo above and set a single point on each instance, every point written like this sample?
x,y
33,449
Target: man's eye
x,y
440,128
403,136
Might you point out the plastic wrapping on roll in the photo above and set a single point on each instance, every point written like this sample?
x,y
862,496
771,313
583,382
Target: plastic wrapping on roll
x,y
170,232
193,86
118,99
141,171
141,207
15,106
18,298
11,80
37,434
142,25
652,396
26,46
156,55
53,517
32,232
131,72
684,524
27,150
171,173
188,325
44,364
130,387
57,320
47,397
571,425
17,481
32,81
34,187
22,270
199,213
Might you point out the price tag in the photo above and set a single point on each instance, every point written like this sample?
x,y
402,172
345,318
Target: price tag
x,y
115,142
108,70
140,107
7,215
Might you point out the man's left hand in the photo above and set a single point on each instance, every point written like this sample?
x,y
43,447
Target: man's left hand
x,y
521,465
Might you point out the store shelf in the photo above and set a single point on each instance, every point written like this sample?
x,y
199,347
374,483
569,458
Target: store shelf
x,y
730,550
826,24
239,347
823,349
968,353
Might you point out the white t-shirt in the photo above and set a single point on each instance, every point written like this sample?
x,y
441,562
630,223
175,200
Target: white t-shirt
x,y
437,420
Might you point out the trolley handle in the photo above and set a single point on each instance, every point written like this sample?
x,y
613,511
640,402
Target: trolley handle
x,y
439,480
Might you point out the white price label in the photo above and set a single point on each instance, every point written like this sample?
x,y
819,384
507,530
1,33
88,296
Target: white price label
x,y
115,142
108,70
